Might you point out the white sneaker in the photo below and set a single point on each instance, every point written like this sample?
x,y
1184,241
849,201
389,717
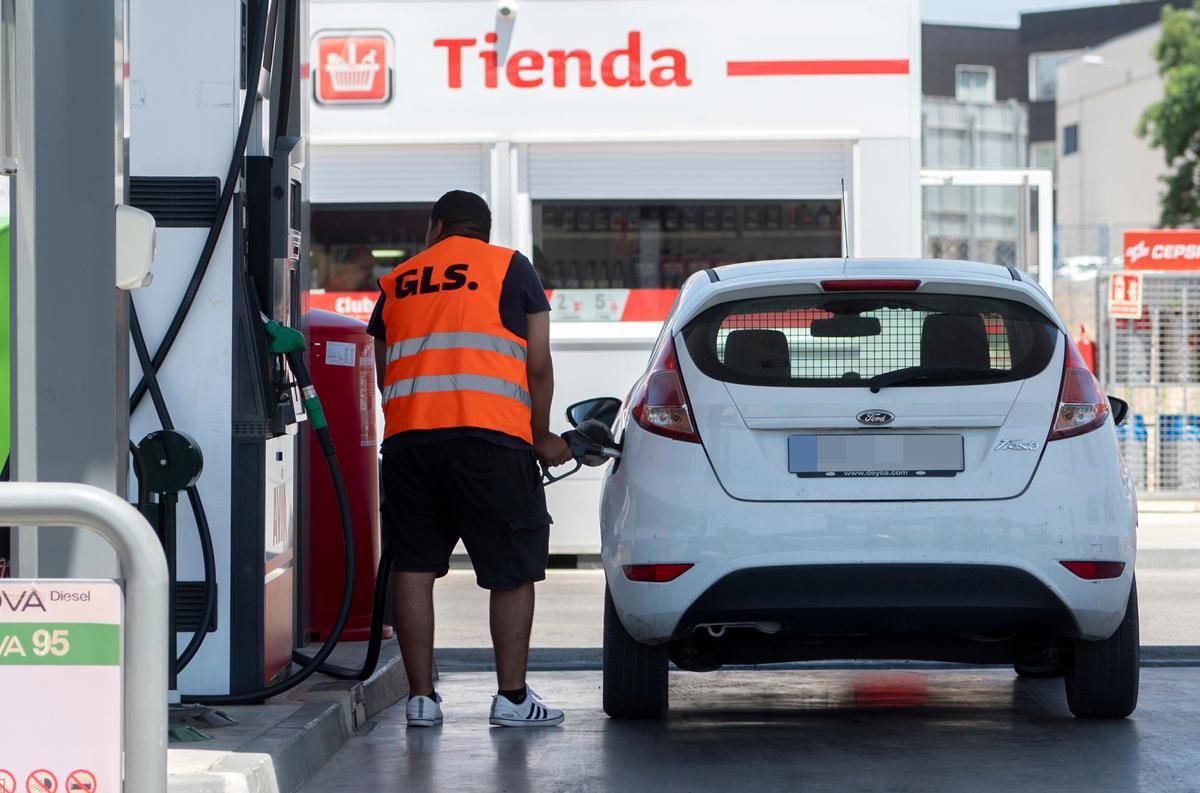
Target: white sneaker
x,y
530,713
425,711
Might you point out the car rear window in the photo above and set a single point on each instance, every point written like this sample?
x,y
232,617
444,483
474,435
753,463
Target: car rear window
x,y
891,338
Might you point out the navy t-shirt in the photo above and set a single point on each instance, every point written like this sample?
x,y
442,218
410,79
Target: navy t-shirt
x,y
521,293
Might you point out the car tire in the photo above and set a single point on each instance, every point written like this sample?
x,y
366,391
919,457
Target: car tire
x,y
635,674
1102,677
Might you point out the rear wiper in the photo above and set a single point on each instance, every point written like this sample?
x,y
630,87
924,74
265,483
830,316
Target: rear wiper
x,y
926,373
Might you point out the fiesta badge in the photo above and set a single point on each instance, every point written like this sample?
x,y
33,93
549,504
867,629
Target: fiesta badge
x,y
876,418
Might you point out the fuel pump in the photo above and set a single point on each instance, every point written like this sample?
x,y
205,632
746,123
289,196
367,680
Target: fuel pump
x,y
226,191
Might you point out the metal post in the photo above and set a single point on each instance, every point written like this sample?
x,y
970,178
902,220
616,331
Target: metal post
x,y
70,356
145,576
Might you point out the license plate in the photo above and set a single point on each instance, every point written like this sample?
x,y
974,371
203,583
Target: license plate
x,y
878,454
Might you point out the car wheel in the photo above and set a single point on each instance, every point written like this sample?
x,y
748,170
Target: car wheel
x,y
635,674
1102,677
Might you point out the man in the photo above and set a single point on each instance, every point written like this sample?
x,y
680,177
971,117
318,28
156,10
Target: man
x,y
462,356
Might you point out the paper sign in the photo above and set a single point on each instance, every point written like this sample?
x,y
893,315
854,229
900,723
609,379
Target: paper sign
x,y
1125,295
60,669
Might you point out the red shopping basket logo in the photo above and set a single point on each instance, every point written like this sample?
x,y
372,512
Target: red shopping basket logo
x,y
352,68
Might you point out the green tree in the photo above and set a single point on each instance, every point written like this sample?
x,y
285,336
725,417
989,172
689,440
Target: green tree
x,y
1173,124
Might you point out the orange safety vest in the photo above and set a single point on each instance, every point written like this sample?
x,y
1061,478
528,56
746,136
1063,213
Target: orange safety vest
x,y
450,360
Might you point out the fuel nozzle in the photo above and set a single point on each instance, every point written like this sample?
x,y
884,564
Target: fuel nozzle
x,y
591,444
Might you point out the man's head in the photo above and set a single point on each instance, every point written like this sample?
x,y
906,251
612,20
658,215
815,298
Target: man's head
x,y
459,213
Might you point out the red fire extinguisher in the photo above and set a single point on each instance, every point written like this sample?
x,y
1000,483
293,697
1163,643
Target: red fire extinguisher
x,y
342,365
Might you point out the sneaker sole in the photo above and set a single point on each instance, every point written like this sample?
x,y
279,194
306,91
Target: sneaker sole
x,y
527,722
425,722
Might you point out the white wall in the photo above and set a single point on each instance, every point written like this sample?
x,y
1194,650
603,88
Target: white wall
x,y
1113,178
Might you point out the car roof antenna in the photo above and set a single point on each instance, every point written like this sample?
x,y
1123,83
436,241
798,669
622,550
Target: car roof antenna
x,y
845,223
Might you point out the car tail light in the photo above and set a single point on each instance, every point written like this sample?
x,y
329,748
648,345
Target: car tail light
x,y
1082,406
1095,571
660,401
871,285
655,573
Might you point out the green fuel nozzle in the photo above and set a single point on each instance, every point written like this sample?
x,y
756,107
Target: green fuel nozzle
x,y
290,342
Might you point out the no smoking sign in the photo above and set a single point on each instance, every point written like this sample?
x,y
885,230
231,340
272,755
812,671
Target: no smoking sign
x,y
8,783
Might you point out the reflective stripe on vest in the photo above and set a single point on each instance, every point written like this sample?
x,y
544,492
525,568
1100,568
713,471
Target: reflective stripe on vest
x,y
429,384
451,362
455,340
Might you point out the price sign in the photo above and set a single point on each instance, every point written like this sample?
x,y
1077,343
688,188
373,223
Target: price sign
x,y
589,305
60,669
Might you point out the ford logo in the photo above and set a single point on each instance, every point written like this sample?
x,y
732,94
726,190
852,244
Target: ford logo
x,y
876,418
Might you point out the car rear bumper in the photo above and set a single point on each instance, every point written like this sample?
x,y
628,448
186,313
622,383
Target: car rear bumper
x,y
664,505
883,599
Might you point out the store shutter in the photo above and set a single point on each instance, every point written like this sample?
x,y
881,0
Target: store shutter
x,y
760,170
395,174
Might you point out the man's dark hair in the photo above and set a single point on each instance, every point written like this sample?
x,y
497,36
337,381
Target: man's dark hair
x,y
464,214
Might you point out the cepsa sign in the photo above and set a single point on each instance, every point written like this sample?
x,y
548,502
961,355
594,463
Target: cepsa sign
x,y
1169,249
352,68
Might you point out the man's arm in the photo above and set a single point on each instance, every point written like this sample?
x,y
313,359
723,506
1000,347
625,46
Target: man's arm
x,y
539,370
380,362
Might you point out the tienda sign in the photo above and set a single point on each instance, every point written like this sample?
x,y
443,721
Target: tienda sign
x,y
617,68
352,68
1163,249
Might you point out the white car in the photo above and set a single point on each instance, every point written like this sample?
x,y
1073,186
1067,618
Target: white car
x,y
832,459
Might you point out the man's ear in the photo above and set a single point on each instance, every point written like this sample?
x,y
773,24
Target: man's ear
x,y
434,232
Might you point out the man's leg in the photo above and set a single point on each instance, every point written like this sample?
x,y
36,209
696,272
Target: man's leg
x,y
413,617
512,620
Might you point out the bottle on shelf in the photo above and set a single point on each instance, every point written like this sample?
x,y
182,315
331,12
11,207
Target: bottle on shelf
x,y
550,217
583,218
601,219
754,217
567,217
728,217
774,217
824,217
571,277
806,217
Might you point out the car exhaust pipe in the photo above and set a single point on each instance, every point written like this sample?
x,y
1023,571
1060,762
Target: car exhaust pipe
x,y
717,629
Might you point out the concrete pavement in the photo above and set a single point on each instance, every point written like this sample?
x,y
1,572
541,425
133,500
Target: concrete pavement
x,y
791,730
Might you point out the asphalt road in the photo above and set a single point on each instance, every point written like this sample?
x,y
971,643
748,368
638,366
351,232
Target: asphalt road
x,y
918,732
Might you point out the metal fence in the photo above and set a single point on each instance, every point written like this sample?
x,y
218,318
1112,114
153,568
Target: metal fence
x,y
1154,363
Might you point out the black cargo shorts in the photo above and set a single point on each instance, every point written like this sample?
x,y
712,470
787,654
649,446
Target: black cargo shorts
x,y
488,495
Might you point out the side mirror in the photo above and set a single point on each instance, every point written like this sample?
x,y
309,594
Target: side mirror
x,y
602,409
1120,409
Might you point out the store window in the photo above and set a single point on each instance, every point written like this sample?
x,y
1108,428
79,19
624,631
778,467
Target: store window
x,y
353,246
1043,74
1070,139
591,252
975,84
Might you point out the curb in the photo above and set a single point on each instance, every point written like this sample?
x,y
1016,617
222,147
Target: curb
x,y
288,753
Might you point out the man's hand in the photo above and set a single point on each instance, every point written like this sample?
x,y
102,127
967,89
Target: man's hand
x,y
552,450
